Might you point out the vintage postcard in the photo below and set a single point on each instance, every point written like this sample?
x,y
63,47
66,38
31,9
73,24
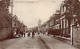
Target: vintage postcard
x,y
39,24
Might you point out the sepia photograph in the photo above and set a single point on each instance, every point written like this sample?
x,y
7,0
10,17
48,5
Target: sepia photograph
x,y
39,24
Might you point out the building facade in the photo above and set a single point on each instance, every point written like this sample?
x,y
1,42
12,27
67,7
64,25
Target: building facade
x,y
5,19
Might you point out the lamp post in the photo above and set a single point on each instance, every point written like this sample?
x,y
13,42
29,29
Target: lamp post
x,y
74,16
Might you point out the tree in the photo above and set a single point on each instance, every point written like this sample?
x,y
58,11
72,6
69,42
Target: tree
x,y
75,8
4,12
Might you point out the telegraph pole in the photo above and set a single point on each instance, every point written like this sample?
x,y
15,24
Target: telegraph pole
x,y
12,7
11,2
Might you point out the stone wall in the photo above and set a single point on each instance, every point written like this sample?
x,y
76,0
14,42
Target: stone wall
x,y
5,33
76,36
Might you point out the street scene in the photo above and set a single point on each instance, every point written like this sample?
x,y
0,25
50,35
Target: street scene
x,y
38,42
39,24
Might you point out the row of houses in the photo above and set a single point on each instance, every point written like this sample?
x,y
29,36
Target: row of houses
x,y
8,23
63,19
18,25
65,22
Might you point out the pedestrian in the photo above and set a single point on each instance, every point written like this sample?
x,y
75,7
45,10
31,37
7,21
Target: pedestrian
x,y
21,33
28,34
33,34
24,34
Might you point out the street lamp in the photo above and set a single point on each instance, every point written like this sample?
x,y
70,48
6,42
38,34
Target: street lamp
x,y
74,16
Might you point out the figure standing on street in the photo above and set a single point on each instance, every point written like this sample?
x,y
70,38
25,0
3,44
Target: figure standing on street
x,y
33,34
28,34
24,34
21,33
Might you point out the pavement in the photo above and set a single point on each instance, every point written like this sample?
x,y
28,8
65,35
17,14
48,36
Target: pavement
x,y
64,39
53,43
40,41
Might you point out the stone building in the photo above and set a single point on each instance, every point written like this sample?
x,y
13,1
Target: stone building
x,y
5,19
63,19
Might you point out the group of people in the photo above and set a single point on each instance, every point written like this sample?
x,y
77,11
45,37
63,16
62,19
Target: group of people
x,y
19,33
23,34
33,33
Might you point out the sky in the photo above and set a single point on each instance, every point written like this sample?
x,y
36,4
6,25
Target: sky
x,y
30,11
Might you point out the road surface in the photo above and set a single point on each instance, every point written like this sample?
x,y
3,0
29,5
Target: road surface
x,y
38,42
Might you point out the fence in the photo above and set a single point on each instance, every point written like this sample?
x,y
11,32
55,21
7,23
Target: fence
x,y
55,32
